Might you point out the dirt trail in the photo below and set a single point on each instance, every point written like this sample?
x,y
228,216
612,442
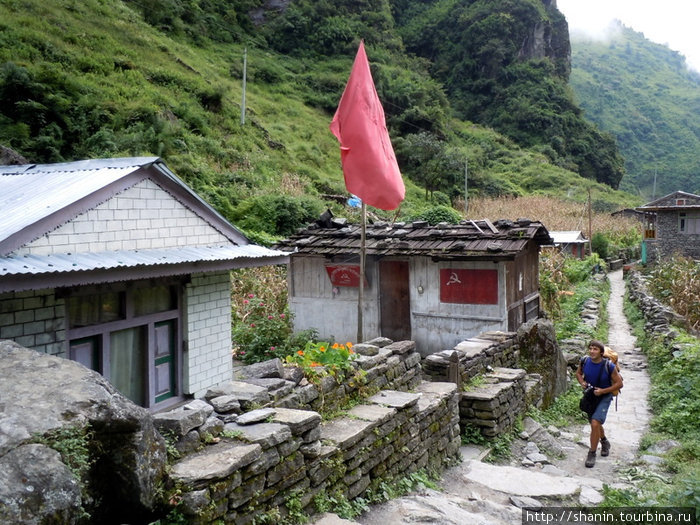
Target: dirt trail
x,y
478,493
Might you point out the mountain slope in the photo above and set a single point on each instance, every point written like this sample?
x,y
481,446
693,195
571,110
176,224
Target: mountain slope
x,y
643,94
111,78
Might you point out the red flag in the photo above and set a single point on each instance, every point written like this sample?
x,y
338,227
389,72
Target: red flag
x,y
369,164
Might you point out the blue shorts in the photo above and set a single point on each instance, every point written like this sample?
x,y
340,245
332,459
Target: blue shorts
x,y
601,410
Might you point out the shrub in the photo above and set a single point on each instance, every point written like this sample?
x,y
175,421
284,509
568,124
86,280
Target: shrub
x,y
438,214
600,244
276,214
261,333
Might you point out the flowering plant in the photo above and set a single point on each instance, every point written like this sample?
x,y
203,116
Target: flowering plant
x,y
318,359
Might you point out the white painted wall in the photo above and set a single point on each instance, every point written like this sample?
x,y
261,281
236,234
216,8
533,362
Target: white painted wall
x,y
208,361
316,303
142,217
435,326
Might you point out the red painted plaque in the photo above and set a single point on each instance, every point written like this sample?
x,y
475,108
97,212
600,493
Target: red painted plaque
x,y
345,275
468,286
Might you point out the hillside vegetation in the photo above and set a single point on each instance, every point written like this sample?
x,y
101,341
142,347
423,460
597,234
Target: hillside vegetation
x,y
103,78
646,97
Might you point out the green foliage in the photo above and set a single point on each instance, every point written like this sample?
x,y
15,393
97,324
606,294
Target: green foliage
x,y
563,412
74,445
676,282
472,436
600,245
642,92
565,285
76,85
674,398
492,78
438,214
276,214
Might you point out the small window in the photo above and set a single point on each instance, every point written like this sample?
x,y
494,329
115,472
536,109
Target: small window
x,y
689,223
154,299
88,310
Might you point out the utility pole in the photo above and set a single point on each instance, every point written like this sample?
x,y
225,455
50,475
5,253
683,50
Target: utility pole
x,y
245,66
466,194
590,225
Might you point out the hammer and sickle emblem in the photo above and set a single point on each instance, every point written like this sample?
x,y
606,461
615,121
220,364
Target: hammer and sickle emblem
x,y
454,279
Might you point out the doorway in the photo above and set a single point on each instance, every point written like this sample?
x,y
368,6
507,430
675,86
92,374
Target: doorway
x,y
394,300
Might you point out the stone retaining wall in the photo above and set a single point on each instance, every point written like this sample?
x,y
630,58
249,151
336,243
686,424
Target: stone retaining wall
x,y
507,390
659,318
495,406
272,455
252,444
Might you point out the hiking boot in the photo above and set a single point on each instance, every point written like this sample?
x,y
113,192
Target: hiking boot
x,y
590,459
604,447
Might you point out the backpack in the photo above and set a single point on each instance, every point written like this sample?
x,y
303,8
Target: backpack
x,y
611,354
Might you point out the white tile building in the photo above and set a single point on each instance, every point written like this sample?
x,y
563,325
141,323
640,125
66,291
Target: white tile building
x,y
117,264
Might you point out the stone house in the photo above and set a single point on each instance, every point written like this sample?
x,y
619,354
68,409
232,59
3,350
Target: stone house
x,y
671,225
119,265
435,285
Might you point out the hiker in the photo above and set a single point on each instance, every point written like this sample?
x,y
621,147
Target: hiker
x,y
602,374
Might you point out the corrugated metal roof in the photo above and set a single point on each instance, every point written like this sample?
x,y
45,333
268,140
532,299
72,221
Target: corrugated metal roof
x,y
82,262
26,199
467,240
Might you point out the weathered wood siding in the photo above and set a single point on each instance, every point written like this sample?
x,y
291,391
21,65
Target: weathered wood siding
x,y
522,287
439,326
315,304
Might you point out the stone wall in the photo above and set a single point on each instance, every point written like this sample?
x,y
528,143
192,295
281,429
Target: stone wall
x,y
34,319
494,406
505,390
239,462
659,318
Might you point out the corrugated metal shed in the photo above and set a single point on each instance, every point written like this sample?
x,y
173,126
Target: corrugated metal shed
x,y
467,240
568,237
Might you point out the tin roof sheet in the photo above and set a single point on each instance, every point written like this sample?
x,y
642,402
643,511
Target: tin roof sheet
x,y
568,237
31,192
83,262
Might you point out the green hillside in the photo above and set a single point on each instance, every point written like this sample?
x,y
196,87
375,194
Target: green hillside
x,y
97,78
643,94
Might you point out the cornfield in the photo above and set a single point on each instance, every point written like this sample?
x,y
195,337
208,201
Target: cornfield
x,y
676,282
555,214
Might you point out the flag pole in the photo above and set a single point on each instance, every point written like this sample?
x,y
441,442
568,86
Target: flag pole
x,y
361,289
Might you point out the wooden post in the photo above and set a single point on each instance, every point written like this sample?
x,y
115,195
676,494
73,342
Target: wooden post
x,y
590,224
453,374
361,288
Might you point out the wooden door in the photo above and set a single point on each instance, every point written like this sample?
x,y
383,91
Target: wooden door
x,y
394,300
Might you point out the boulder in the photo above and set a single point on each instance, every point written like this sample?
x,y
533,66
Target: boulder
x,y
540,354
53,398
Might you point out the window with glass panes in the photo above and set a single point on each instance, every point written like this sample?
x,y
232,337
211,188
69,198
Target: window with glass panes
x,y
130,334
689,222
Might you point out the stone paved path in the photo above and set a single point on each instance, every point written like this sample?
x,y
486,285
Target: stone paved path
x,y
481,494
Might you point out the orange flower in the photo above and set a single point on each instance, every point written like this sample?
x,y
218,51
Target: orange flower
x,y
348,344
322,349
300,352
314,363
335,345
